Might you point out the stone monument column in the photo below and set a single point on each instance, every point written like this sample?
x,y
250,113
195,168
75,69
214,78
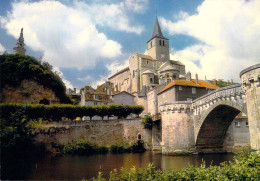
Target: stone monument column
x,y
250,78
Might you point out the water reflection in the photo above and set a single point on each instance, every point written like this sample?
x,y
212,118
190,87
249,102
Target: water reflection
x,y
78,167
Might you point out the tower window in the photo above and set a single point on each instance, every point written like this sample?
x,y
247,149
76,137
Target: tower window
x,y
147,62
133,73
160,42
151,44
163,42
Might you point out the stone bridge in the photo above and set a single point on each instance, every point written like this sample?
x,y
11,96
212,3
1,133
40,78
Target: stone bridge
x,y
201,125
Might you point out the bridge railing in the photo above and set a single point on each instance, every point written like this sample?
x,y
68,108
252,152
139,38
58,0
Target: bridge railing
x,y
224,92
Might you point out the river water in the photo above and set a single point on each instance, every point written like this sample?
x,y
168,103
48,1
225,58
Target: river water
x,y
68,167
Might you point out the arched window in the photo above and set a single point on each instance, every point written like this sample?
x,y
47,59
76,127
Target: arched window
x,y
160,42
139,136
174,77
44,101
163,42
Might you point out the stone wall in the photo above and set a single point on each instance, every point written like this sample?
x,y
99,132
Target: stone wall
x,y
237,134
250,78
29,92
177,129
104,132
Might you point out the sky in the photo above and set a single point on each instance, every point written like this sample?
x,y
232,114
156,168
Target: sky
x,y
87,41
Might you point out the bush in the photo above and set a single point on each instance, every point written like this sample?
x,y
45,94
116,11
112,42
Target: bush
x,y
138,146
137,109
55,112
83,147
121,147
147,122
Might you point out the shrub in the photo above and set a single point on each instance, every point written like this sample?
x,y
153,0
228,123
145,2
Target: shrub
x,y
147,122
55,112
121,147
83,147
138,146
137,109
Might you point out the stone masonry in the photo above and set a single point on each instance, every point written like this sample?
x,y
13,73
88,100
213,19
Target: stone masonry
x,y
251,84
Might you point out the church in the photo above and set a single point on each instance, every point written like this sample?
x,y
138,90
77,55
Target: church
x,y
154,75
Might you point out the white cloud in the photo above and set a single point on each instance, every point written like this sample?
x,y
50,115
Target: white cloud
x,y
2,49
114,15
230,36
68,36
112,68
136,5
67,83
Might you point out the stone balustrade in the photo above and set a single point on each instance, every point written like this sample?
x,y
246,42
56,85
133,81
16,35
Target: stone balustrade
x,y
224,93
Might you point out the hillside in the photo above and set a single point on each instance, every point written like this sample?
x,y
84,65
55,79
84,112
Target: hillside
x,y
15,69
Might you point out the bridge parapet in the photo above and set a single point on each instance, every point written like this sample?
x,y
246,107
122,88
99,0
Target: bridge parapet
x,y
230,93
178,106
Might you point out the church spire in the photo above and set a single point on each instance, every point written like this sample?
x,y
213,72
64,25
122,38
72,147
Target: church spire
x,y
157,32
20,44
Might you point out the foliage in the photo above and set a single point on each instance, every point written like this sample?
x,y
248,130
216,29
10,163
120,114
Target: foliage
x,y
83,147
147,122
15,68
123,147
56,112
16,138
244,167
137,109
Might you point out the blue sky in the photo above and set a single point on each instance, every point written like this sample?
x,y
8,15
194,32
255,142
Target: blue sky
x,y
87,41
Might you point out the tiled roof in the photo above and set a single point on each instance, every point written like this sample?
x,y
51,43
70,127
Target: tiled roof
x,y
148,57
123,92
100,87
202,83
119,72
176,62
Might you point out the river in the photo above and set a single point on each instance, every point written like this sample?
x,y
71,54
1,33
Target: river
x,y
68,167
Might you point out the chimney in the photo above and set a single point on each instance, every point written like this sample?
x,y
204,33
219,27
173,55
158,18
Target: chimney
x,y
188,76
197,80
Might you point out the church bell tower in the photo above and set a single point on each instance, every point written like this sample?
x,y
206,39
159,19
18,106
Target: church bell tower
x,y
158,45
20,44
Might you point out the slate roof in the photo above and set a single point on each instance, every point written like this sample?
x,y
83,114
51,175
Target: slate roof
x,y
202,84
157,32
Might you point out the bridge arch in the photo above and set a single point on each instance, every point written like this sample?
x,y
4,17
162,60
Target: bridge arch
x,y
214,123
